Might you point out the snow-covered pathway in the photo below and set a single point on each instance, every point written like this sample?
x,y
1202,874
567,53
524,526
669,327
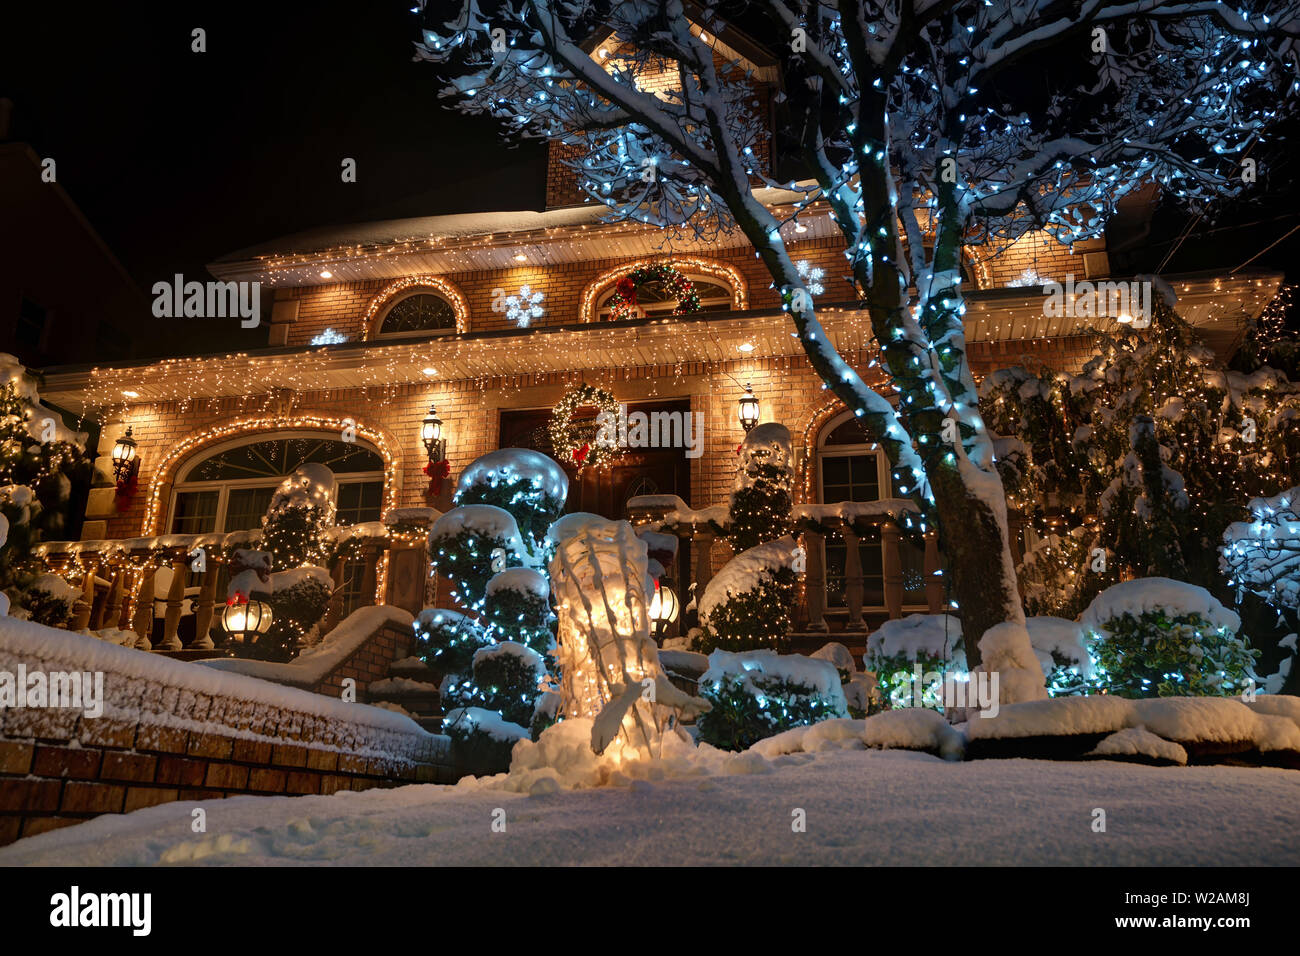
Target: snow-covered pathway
x,y
863,808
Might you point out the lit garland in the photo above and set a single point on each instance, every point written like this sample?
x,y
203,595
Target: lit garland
x,y
727,273
391,293
622,304
573,447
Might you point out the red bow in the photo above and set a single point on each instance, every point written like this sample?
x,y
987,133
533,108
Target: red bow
x,y
580,454
627,289
437,471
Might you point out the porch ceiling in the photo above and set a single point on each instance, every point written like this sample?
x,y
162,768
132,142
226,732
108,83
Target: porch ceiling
x,y
1217,306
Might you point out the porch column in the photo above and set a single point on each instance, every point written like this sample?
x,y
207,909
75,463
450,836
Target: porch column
x,y
116,592
335,608
82,606
204,608
893,569
815,582
853,585
142,622
703,561
175,600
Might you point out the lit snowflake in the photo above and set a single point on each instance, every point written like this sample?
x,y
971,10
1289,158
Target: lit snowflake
x,y
812,276
329,337
1027,278
524,307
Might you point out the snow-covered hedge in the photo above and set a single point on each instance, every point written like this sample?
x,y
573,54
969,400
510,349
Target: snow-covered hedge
x,y
761,693
933,641
747,604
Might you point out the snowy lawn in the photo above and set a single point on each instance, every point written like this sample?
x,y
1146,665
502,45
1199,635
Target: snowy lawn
x,y
863,808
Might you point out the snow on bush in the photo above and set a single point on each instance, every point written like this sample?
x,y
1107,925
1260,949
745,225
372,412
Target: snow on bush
x,y
506,679
49,600
301,510
447,640
1155,637
1262,555
747,604
483,737
761,497
756,694
472,543
897,647
519,608
1062,653
529,485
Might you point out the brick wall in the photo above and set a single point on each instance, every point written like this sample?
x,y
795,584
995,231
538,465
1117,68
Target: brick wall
x,y
177,731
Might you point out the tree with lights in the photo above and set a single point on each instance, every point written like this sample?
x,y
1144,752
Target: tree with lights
x,y
495,654
42,464
919,142
761,499
1135,467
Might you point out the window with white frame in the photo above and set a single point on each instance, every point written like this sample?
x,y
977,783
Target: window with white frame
x,y
653,300
851,467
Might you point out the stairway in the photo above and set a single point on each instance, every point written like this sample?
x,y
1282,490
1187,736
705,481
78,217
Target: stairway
x,y
412,685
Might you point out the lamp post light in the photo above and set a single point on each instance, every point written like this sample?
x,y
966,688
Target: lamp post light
x,y
663,609
748,412
431,434
126,464
246,619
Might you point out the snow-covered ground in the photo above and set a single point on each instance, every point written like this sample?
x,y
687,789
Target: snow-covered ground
x,y
862,808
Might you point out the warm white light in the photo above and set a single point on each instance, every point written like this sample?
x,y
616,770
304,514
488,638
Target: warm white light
x,y
326,274
130,394
800,227
746,347
429,371
520,257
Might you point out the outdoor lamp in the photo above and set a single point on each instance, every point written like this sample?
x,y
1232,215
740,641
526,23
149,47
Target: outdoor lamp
x,y
748,408
125,462
431,435
245,619
663,608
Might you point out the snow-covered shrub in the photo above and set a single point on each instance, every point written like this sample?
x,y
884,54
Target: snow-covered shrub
x,y
761,693
48,600
447,640
526,483
301,509
472,543
761,498
861,690
1155,637
746,606
506,678
1260,555
1062,652
896,648
481,739
519,609
299,599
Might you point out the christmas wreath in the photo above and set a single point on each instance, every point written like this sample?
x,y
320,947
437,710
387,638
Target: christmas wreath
x,y
622,304
575,442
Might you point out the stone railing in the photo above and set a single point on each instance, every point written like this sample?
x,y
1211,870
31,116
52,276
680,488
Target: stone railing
x,y
855,524
119,580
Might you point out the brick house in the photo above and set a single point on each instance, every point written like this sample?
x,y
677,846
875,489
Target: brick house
x,y
370,324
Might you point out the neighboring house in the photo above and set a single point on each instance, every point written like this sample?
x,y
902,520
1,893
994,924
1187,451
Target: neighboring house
x,y
413,301
64,297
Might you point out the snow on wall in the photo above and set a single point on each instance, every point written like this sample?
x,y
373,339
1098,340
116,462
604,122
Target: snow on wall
x,y
156,691
313,664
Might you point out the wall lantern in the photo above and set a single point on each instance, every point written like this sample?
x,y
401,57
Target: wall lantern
x,y
125,463
663,609
431,435
748,412
246,619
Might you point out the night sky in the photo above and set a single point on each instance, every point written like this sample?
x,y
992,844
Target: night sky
x,y
178,158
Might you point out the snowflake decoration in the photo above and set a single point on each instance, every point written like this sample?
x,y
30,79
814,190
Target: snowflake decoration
x,y
811,276
524,307
1027,278
329,337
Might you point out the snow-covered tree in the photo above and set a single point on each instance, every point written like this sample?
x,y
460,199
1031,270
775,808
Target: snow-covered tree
x,y
918,136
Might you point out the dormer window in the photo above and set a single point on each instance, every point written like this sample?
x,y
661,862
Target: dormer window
x,y
654,300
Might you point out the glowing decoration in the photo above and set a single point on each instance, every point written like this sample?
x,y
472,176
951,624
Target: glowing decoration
x,y
582,444
389,294
748,409
729,275
609,665
126,464
664,608
522,308
245,619
622,305
431,434
329,337
812,277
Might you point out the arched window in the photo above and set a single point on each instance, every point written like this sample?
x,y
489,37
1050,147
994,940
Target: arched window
x,y
653,300
851,467
420,313
228,488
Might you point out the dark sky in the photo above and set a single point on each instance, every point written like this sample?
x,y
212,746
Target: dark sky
x,y
178,158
